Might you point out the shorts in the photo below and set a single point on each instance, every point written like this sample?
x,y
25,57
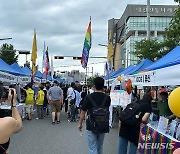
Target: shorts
x,y
29,108
55,106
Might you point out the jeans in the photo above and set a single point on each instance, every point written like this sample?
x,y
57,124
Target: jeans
x,y
48,109
123,145
95,142
73,113
40,111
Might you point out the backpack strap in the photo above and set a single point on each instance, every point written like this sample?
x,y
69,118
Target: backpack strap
x,y
75,95
93,102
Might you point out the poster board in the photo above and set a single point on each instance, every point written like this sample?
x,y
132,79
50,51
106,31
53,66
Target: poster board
x,y
120,98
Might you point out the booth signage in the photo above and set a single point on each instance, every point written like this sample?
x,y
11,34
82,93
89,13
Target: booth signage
x,y
6,77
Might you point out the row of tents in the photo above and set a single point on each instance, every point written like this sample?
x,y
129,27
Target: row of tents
x,y
16,74
165,71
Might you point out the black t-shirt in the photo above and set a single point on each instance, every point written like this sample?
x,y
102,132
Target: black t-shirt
x,y
132,132
98,98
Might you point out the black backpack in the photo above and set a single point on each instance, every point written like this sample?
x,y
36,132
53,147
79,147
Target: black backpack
x,y
99,117
131,114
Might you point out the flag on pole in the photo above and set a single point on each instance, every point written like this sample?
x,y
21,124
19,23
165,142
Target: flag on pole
x,y
46,63
34,54
110,48
52,68
107,68
44,55
86,47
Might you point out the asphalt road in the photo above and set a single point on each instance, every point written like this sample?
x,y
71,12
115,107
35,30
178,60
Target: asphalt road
x,y
41,137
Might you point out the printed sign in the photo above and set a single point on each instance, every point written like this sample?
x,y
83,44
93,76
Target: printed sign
x,y
120,98
6,77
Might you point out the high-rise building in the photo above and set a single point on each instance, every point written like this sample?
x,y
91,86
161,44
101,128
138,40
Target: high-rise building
x,y
132,27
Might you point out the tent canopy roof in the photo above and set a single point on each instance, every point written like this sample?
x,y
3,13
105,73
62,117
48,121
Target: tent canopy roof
x,y
143,64
7,68
19,69
172,58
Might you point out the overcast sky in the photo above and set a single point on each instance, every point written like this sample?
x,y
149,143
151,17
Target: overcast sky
x,y
62,24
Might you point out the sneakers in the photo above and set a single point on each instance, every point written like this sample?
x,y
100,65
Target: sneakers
x,y
37,118
53,123
58,122
70,121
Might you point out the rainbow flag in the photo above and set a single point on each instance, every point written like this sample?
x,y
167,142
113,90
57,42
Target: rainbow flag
x,y
46,66
86,47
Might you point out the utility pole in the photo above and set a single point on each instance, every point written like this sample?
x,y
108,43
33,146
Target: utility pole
x,y
148,19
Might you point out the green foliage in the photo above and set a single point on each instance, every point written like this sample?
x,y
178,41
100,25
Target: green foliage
x,y
178,1
150,49
8,54
172,33
90,81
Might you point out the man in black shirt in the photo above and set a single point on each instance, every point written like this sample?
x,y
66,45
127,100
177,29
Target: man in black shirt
x,y
95,140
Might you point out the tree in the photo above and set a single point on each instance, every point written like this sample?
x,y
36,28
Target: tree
x,y
150,49
8,54
178,1
172,33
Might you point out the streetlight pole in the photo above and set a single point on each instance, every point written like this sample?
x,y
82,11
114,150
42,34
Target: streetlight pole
x,y
148,19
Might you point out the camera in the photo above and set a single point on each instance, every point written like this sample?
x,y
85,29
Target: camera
x,y
5,110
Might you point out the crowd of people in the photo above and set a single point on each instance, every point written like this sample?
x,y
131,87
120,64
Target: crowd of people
x,y
83,103
50,99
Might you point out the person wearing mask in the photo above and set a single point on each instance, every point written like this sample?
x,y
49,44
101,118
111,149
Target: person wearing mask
x,y
9,125
91,90
40,102
100,99
130,133
29,100
55,95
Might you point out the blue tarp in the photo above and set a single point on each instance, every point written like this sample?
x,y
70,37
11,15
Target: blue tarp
x,y
49,78
59,80
128,69
172,58
113,73
19,69
39,74
6,68
145,63
27,70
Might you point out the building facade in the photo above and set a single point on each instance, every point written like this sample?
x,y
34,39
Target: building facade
x,y
132,27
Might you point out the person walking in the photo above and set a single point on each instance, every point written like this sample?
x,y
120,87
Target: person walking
x,y
29,100
75,101
65,100
69,97
40,102
100,101
55,97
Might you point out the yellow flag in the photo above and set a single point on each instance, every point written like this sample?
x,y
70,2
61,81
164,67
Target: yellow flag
x,y
110,48
34,54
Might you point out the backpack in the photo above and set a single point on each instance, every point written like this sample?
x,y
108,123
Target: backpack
x,y
131,114
99,117
73,101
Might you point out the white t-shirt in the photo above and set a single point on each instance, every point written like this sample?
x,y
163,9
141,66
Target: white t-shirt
x,y
69,92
